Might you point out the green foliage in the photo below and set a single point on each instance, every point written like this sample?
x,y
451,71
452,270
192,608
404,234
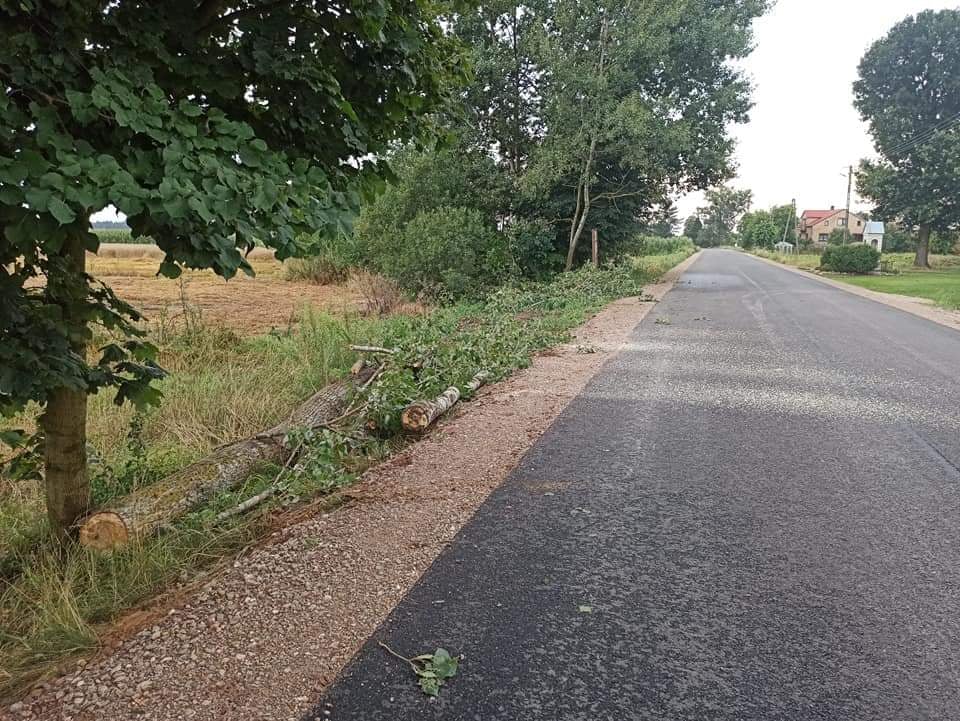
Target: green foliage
x,y
758,230
909,93
533,247
655,245
449,253
724,208
647,120
837,237
327,261
431,669
858,258
209,131
121,235
692,228
944,243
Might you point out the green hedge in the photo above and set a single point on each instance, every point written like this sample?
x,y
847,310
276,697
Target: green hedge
x,y
849,258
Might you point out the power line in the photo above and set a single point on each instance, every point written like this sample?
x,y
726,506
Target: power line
x,y
922,137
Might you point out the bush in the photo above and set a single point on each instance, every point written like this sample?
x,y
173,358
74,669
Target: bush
x,y
449,253
533,249
849,258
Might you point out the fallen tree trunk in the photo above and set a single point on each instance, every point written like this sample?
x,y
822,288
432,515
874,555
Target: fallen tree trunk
x,y
419,416
152,507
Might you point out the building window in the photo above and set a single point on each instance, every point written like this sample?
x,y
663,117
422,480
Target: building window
x,y
858,223
824,237
826,222
842,222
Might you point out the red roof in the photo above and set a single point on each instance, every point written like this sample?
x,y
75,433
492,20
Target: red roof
x,y
818,214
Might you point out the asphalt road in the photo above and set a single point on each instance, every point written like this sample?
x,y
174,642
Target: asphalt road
x,y
752,512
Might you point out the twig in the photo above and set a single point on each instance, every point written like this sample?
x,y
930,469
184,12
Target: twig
x,y
251,502
373,349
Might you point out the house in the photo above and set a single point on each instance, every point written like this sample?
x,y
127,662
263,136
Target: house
x,y
816,225
873,234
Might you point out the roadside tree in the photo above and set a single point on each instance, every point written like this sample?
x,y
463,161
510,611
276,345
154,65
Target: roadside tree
x,y
909,93
213,126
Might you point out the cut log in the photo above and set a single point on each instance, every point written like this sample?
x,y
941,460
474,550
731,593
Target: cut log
x,y
420,415
151,508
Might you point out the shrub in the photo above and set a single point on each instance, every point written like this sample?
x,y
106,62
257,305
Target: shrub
x,y
532,246
319,269
857,258
326,261
449,253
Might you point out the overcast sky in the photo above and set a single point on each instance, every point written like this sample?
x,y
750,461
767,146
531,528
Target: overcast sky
x,y
803,130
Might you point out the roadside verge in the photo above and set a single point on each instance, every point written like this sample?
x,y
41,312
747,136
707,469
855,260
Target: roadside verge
x,y
263,639
917,306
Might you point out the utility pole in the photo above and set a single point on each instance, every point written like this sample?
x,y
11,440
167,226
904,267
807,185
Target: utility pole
x,y
792,221
846,222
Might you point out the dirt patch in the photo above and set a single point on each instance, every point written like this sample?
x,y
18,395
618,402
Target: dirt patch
x,y
263,639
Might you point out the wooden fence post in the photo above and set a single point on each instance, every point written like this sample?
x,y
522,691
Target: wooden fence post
x,y
595,248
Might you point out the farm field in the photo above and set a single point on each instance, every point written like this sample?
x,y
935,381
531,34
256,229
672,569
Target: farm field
x,y
247,306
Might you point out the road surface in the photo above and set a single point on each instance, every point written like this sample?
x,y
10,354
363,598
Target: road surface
x,y
752,512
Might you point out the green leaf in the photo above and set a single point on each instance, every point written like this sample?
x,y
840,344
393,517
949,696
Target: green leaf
x,y
444,664
61,211
430,686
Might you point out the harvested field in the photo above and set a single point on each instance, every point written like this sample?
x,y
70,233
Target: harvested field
x,y
248,306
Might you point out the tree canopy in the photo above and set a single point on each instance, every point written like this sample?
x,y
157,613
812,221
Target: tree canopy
x,y
909,93
601,111
725,206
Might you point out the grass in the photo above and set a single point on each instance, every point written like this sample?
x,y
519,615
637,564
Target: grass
x,y
54,602
940,286
941,283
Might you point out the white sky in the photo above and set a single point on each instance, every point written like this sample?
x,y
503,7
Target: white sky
x,y
803,129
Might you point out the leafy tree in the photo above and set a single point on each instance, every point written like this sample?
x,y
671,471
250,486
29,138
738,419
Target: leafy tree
x,y
503,104
662,221
759,230
212,125
725,206
692,228
637,98
909,93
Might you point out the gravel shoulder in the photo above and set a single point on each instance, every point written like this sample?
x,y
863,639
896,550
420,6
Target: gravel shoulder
x,y
265,637
921,307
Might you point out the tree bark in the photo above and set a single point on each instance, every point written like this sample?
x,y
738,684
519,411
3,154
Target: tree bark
x,y
922,259
578,223
153,507
64,420
419,416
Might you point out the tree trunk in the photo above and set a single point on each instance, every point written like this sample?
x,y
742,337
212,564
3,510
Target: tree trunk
x,y
156,506
578,223
64,420
922,259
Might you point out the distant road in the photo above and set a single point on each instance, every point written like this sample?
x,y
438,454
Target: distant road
x,y
752,512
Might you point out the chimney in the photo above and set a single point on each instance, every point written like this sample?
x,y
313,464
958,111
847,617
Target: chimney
x,y
833,207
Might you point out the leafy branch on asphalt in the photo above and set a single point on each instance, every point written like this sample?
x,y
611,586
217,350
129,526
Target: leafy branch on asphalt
x,y
431,669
